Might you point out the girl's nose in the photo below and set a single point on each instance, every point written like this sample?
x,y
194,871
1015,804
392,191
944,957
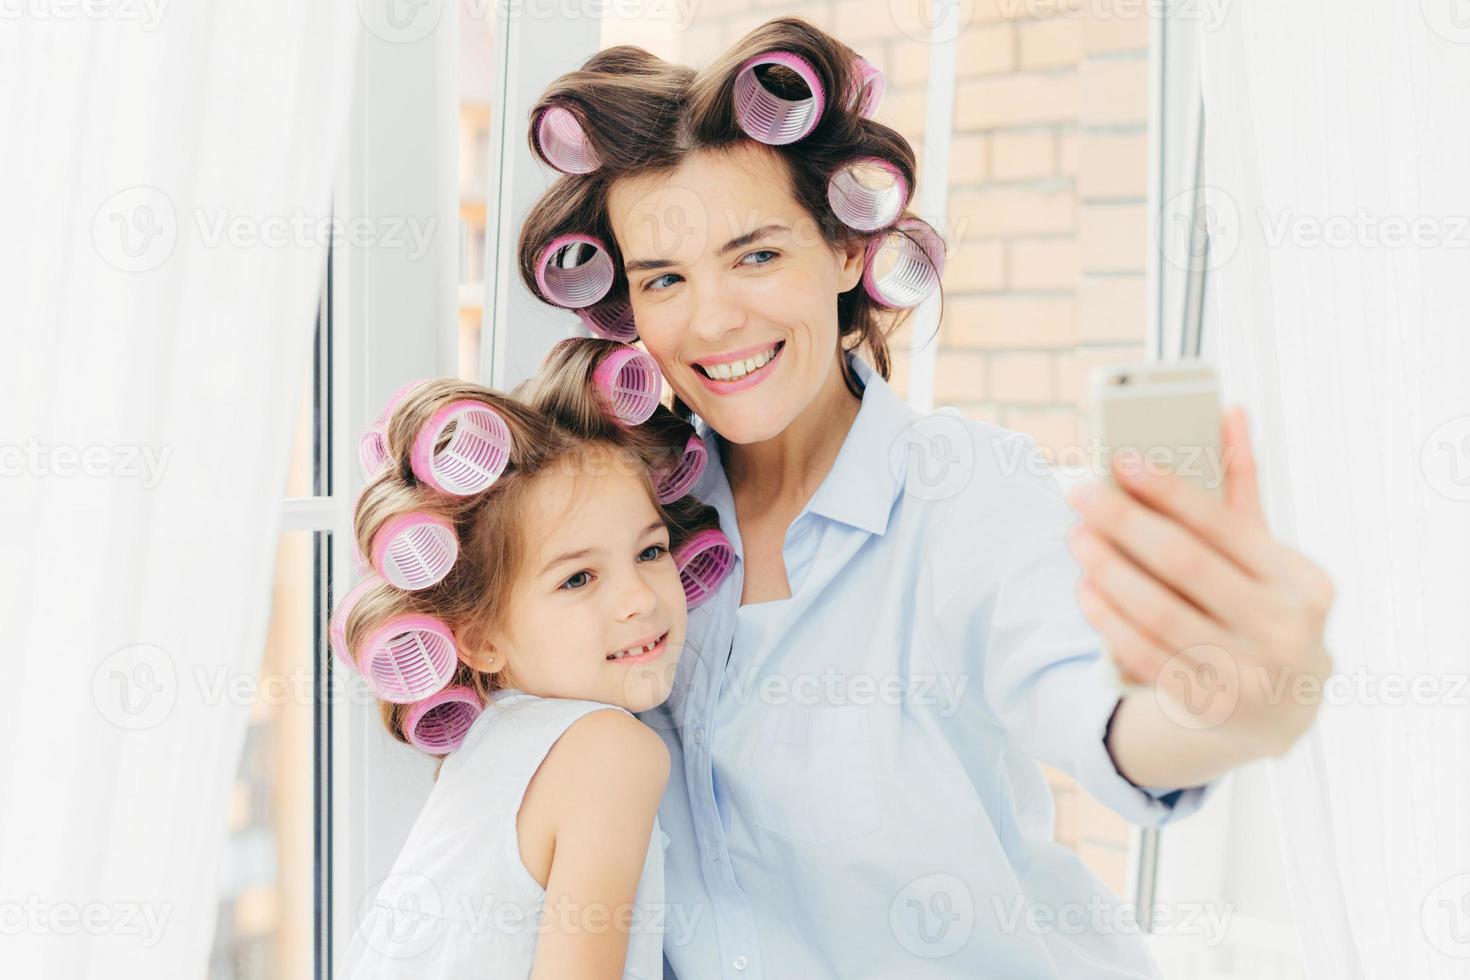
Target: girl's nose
x,y
638,598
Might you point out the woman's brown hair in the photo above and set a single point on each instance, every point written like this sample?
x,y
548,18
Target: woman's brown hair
x,y
643,115
556,418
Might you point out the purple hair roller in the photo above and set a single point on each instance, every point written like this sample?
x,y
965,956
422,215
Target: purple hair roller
x,y
438,724
415,550
579,285
868,193
408,658
676,482
703,563
630,381
562,143
917,267
611,320
868,87
337,626
476,454
767,117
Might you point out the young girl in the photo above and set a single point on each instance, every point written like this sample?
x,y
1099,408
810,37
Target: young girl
x,y
534,558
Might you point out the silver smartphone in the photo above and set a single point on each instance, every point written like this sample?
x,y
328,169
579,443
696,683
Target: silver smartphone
x,y
1157,415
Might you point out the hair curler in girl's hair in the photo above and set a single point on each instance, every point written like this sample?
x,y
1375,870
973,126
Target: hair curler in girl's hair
x,y
629,380
408,658
917,267
868,87
867,194
562,143
575,286
676,481
337,625
438,724
766,116
611,320
415,550
476,454
703,562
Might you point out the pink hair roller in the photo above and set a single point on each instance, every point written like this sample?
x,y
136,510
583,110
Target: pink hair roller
x,y
630,381
438,724
703,563
676,482
868,194
611,320
396,399
579,285
916,269
337,626
408,658
767,117
476,454
868,87
415,550
561,141
372,451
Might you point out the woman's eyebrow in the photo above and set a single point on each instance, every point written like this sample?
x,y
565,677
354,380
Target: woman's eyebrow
x,y
644,265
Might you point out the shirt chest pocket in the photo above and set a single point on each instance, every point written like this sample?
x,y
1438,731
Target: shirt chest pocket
x,y
815,772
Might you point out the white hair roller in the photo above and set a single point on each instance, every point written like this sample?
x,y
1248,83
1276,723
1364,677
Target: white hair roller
x,y
629,380
766,116
868,194
415,550
917,253
562,143
475,455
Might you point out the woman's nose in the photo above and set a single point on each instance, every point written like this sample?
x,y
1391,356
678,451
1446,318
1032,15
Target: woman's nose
x,y
716,311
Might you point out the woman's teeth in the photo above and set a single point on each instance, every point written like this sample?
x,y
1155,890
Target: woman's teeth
x,y
735,370
633,651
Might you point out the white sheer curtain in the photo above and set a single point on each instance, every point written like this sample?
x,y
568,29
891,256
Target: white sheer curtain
x,y
1338,168
165,176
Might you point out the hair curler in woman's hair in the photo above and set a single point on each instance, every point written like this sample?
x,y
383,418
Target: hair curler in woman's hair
x,y
766,116
868,194
337,625
372,451
676,481
611,320
438,724
561,142
408,658
628,378
868,87
579,285
703,562
476,454
415,550
917,267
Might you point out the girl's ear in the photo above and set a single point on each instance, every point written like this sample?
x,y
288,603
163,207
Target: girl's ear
x,y
486,658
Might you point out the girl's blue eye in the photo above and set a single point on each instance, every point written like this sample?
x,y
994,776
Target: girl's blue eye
x,y
762,251
658,552
581,578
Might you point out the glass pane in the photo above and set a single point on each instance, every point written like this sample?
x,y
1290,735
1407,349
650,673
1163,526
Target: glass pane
x,y
264,929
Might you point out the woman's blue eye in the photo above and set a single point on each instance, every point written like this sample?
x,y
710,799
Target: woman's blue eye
x,y
581,579
651,284
658,552
762,251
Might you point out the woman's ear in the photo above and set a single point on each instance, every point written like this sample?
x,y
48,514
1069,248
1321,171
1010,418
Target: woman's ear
x,y
853,257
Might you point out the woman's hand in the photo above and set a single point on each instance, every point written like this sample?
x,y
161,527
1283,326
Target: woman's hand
x,y
1195,598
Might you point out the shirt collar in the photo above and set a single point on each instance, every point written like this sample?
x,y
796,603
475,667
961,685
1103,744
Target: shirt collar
x,y
866,477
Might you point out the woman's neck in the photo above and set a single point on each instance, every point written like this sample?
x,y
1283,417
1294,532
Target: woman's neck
x,y
783,472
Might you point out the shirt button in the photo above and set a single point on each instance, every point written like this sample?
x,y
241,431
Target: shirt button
x,y
741,962
699,736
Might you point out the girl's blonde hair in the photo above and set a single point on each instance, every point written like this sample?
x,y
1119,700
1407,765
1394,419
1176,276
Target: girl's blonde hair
x,y
555,419
643,115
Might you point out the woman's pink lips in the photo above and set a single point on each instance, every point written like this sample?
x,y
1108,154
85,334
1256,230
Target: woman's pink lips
x,y
749,381
643,658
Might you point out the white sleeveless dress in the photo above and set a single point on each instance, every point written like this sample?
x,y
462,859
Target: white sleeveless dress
x,y
459,903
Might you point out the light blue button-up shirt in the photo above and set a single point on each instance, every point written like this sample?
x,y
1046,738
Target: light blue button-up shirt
x,y
855,789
